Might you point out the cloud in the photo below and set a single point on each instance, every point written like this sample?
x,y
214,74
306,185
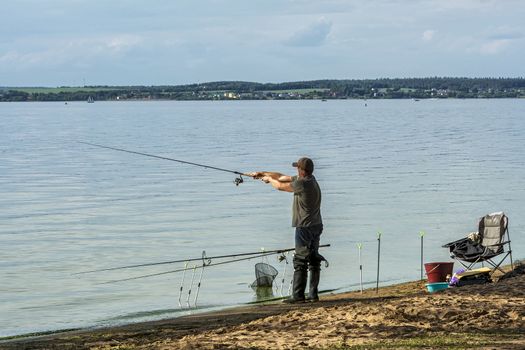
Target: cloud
x,y
313,35
507,35
464,4
428,35
494,47
499,40
183,41
57,52
122,43
9,57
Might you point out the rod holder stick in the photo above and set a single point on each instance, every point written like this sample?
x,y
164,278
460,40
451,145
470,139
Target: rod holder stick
x,y
191,285
264,259
291,282
182,282
421,234
198,286
379,233
359,246
284,273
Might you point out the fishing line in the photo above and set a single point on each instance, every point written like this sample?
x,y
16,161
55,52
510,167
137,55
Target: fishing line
x,y
239,180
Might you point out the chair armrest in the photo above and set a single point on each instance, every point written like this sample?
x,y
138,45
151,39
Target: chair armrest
x,y
498,244
448,245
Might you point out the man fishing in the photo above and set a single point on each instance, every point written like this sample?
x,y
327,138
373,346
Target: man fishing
x,y
306,218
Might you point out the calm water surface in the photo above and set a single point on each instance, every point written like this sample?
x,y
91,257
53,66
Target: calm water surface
x,y
393,166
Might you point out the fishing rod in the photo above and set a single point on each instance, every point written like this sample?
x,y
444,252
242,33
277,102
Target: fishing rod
x,y
184,269
239,180
203,258
205,264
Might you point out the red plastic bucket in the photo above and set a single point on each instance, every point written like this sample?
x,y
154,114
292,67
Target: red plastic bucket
x,y
438,271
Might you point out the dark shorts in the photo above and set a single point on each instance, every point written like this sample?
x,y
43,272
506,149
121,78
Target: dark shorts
x,y
307,241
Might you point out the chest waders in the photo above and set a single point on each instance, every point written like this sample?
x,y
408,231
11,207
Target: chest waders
x,y
306,258
300,266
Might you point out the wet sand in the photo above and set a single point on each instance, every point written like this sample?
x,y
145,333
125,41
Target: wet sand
x,y
489,316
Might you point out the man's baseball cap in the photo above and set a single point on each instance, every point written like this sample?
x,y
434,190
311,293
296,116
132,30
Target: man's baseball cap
x,y
305,164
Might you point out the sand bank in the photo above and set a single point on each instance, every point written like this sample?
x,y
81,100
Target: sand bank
x,y
489,316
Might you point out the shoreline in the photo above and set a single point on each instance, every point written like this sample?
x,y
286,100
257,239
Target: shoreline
x,y
211,310
318,99
481,315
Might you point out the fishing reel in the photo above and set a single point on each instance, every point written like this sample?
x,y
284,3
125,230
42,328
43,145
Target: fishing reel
x,y
282,257
205,260
238,180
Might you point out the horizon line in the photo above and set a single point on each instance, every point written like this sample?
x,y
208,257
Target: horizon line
x,y
265,83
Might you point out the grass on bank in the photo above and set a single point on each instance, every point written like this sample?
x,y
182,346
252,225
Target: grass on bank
x,y
37,334
72,89
57,90
456,341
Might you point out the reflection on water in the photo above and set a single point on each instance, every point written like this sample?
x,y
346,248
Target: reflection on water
x,y
263,293
395,166
263,285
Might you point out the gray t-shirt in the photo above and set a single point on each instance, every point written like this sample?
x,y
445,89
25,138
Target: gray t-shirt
x,y
306,209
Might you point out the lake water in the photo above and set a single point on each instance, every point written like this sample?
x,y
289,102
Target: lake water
x,y
397,166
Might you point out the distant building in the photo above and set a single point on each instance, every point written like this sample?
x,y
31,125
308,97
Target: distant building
x,y
231,96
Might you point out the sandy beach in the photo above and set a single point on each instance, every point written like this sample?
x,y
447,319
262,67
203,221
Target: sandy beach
x,y
489,316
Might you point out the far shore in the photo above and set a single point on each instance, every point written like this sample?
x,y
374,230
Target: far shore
x,y
327,89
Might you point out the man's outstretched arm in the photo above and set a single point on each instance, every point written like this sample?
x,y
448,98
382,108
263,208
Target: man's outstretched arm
x,y
278,184
272,174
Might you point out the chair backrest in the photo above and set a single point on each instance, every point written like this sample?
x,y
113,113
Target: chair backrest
x,y
492,228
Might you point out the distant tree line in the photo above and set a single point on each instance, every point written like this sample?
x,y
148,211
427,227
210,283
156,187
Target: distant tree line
x,y
435,87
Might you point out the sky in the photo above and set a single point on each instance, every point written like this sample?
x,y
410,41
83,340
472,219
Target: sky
x,y
172,42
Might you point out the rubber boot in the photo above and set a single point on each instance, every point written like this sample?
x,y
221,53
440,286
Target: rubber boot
x,y
299,285
315,274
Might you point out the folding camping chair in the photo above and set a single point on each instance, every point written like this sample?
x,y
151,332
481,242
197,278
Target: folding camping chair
x,y
490,242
